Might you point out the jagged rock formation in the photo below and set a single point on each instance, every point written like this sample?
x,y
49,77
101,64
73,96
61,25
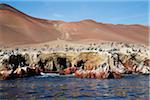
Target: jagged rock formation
x,y
91,64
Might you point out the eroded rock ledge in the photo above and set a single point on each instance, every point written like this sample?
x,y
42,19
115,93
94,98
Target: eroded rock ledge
x,y
91,62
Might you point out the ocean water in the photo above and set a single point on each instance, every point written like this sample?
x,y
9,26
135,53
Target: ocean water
x,y
57,87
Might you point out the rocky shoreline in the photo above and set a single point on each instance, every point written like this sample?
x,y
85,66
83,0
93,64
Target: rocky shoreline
x,y
95,60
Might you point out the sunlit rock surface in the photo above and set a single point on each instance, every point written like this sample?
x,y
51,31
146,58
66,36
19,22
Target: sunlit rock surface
x,y
95,60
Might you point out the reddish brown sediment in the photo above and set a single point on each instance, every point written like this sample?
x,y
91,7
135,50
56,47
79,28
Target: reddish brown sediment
x,y
19,28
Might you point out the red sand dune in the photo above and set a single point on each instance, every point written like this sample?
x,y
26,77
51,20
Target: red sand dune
x,y
19,28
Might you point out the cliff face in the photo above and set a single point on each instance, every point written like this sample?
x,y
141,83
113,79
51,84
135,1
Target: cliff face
x,y
85,61
19,28
105,60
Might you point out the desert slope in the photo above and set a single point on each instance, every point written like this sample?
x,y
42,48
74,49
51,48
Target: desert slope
x,y
89,29
19,28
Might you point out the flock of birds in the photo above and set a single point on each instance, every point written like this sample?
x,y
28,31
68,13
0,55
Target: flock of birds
x,y
121,58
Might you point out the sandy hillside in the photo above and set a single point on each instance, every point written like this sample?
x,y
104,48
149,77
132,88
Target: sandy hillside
x,y
19,28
